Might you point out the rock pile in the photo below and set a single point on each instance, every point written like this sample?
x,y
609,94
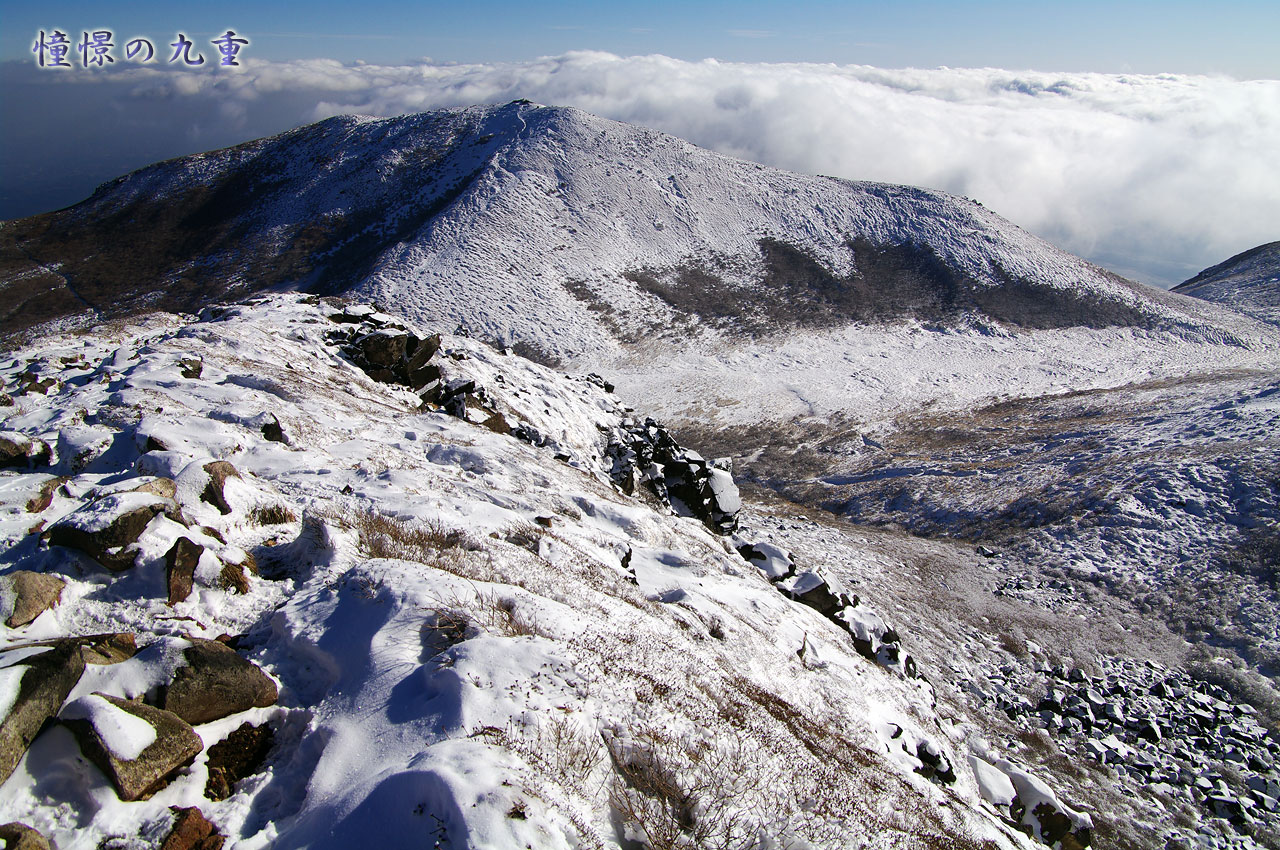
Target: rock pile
x,y
140,744
872,637
1163,730
647,455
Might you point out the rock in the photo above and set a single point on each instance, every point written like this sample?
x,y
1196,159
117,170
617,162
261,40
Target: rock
x,y
391,354
418,369
110,648
137,763
192,367
215,491
105,528
80,445
810,589
20,451
47,680
240,755
273,431
192,831
180,563
215,683
680,478
33,594
19,836
44,495
776,563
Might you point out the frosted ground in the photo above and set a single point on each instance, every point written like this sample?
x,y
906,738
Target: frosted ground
x,y
485,681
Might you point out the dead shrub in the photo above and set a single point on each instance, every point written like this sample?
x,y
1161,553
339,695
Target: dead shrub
x,y
271,515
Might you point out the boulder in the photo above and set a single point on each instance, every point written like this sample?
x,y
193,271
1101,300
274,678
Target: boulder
x,y
19,450
45,680
239,756
192,831
180,563
216,682
215,491
19,836
139,747
44,494
33,594
81,445
106,528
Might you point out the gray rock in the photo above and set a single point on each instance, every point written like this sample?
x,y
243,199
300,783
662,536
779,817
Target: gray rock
x,y
215,683
33,594
106,528
176,744
50,676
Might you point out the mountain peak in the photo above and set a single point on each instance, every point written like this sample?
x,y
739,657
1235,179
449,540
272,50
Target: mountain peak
x,y
548,224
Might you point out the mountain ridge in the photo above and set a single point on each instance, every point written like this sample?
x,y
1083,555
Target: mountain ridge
x,y
524,220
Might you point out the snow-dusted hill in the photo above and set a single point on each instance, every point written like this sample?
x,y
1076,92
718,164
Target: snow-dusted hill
x,y
1248,282
554,228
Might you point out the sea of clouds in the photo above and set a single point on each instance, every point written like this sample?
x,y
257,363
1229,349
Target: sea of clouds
x,y
1153,176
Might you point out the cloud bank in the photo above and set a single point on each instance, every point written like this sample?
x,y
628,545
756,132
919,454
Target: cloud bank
x,y
1153,176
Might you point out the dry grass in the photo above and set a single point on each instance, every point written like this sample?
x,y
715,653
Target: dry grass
x,y
271,515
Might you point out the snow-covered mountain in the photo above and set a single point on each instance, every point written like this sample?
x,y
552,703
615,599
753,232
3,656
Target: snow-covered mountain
x,y
555,228
1248,282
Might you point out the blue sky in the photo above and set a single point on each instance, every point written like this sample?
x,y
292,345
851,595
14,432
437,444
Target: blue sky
x,y
1235,38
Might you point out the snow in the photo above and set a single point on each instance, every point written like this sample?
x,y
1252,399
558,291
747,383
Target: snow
x,y
994,785
123,734
438,687
10,683
448,614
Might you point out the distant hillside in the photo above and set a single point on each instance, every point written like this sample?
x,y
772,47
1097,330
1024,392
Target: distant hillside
x,y
1248,282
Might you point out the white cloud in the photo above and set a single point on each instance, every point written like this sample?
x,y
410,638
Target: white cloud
x,y
1156,176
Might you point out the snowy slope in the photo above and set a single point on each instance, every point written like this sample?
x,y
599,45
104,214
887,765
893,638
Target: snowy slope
x,y
476,640
1248,282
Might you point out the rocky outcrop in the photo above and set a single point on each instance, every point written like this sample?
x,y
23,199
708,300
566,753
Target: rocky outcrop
x,y
216,682
139,747
106,528
647,455
384,349
33,594
872,637
45,681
